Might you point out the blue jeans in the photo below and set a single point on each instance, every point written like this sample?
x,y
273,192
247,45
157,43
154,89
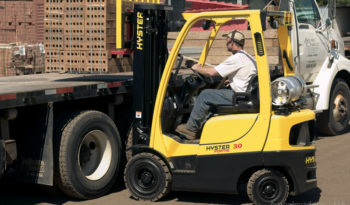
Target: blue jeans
x,y
206,98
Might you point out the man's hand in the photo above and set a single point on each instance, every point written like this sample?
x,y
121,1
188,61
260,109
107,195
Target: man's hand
x,y
206,70
196,67
227,83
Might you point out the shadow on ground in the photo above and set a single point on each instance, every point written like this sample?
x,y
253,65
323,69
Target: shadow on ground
x,y
206,198
33,194
310,197
21,193
321,136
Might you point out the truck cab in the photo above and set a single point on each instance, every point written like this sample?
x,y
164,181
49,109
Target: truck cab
x,y
311,38
318,56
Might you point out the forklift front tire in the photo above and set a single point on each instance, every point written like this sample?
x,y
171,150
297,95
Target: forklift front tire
x,y
147,177
267,187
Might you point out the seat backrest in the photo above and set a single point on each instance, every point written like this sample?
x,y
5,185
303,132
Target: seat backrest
x,y
250,103
253,83
253,88
246,102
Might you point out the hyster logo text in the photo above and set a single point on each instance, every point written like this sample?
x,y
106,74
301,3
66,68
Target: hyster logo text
x,y
218,148
310,160
139,31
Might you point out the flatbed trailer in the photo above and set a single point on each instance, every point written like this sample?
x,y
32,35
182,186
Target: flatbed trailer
x,y
16,91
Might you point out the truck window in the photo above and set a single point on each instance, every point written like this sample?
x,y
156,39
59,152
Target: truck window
x,y
307,12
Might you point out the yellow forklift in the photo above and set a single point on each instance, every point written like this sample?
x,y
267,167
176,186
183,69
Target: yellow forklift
x,y
261,145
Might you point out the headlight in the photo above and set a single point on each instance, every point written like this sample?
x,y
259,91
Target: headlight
x,y
286,90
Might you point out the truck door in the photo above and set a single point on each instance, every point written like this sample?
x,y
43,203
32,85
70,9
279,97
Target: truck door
x,y
310,46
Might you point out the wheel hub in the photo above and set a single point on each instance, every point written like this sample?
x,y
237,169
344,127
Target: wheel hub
x,y
268,190
84,155
95,155
340,108
146,178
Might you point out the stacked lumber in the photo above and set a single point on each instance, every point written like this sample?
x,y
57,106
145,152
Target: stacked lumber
x,y
196,40
79,35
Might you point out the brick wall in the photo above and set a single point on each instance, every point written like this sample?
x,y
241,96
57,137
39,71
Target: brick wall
x,y
21,21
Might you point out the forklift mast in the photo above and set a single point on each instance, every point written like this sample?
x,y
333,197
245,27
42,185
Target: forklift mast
x,y
150,56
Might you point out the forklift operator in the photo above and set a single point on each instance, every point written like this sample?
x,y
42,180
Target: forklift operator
x,y
238,68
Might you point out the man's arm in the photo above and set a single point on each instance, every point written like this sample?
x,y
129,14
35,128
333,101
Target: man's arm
x,y
206,70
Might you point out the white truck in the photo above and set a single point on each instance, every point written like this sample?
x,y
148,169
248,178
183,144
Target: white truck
x,y
318,57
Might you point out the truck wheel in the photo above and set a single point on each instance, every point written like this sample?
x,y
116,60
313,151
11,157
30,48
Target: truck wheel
x,y
147,177
88,155
335,120
267,187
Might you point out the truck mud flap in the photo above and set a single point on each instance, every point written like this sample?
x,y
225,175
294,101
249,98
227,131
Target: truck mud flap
x,y
36,160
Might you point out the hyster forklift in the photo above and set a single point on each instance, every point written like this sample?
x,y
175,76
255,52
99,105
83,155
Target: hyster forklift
x,y
261,145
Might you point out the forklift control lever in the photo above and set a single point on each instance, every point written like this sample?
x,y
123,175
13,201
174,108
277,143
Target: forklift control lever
x,y
189,63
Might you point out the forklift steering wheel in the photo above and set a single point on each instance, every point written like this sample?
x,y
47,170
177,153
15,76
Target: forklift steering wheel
x,y
207,80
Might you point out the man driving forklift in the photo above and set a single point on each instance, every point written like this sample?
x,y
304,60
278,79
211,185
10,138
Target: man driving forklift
x,y
266,150
238,68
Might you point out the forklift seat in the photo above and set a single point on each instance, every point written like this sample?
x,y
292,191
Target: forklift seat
x,y
242,102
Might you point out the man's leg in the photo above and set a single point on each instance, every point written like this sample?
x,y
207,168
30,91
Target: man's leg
x,y
205,99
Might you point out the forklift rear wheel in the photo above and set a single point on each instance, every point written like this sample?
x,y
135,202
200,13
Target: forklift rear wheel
x,y
335,120
88,155
267,187
147,177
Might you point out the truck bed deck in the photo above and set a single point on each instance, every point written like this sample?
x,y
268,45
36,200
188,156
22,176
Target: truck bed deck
x,y
52,87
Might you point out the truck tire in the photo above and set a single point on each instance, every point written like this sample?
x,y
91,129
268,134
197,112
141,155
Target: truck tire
x,y
267,187
147,177
88,155
335,120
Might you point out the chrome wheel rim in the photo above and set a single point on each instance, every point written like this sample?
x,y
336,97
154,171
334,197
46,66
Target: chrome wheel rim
x,y
340,108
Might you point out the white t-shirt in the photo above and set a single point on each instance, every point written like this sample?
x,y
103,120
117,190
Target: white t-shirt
x,y
239,68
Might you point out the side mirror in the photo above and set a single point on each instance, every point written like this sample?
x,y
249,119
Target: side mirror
x,y
273,23
179,24
327,25
332,9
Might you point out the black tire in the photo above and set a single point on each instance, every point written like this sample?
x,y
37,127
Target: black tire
x,y
335,120
87,140
267,187
147,177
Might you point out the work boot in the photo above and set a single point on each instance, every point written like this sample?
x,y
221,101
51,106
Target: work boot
x,y
183,130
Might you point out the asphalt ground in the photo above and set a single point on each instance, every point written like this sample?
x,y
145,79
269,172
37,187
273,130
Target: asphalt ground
x,y
332,155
